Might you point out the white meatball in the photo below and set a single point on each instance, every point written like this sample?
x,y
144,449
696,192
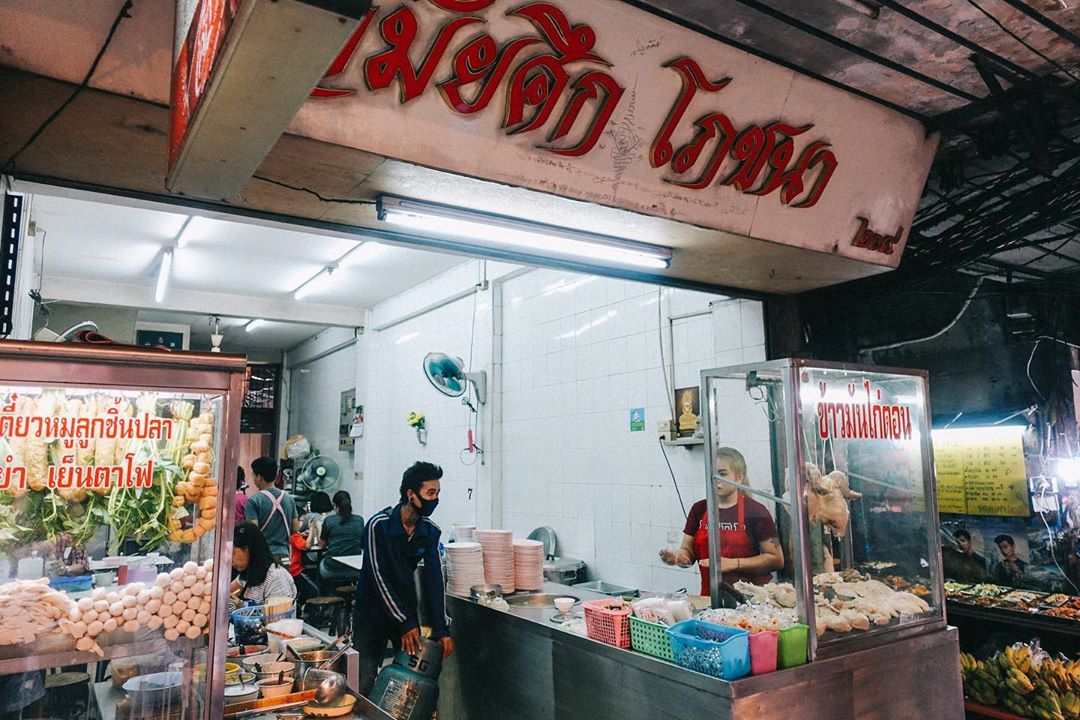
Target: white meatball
x,y
157,592
110,625
131,626
95,628
99,594
130,614
171,635
170,622
130,601
162,580
193,632
154,622
184,595
86,603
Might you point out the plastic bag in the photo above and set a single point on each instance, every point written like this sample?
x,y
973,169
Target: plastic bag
x,y
296,447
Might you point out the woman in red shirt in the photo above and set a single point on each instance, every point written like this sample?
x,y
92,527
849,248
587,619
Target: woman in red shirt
x,y
749,547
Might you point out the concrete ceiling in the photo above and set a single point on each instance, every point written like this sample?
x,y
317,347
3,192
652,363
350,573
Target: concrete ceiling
x,y
90,243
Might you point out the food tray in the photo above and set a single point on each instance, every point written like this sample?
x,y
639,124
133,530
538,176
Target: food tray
x,y
650,639
608,621
1055,600
716,650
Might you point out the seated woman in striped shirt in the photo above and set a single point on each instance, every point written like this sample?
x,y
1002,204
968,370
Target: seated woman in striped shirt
x,y
258,575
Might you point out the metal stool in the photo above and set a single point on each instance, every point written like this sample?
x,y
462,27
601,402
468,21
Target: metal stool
x,y
327,613
346,592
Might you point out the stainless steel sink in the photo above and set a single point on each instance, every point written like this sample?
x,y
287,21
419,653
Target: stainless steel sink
x,y
536,600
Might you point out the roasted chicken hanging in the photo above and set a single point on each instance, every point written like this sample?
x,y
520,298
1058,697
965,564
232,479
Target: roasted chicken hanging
x,y
826,498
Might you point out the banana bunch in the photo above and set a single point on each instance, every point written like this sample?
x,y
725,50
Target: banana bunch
x,y
981,679
1015,657
1046,706
1070,705
1055,676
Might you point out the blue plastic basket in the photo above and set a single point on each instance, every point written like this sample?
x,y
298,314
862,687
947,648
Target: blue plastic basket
x,y
250,621
722,652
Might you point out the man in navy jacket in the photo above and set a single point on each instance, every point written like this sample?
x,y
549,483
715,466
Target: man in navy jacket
x,y
396,540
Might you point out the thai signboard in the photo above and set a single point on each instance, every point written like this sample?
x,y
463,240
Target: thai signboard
x,y
602,102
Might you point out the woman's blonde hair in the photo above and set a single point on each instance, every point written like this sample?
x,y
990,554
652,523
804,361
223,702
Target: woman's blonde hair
x,y
735,459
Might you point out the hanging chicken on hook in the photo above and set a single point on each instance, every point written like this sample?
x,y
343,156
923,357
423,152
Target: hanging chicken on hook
x,y
826,498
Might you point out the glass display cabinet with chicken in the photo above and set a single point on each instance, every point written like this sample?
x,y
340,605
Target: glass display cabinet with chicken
x,y
840,456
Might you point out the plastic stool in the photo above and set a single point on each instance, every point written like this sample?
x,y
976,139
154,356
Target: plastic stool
x,y
327,613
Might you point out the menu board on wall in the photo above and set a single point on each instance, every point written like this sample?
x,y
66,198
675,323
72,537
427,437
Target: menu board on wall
x,y
981,471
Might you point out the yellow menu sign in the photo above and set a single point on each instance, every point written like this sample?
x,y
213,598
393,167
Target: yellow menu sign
x,y
981,471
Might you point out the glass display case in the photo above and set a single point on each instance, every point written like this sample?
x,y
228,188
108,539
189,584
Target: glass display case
x,y
841,459
115,512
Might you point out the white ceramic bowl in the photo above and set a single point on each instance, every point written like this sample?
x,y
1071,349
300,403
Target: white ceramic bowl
x,y
271,688
240,693
564,604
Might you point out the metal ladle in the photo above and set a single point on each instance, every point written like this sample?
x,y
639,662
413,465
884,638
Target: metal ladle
x,y
330,690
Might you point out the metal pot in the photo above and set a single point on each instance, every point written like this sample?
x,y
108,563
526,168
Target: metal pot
x,y
486,591
565,571
316,658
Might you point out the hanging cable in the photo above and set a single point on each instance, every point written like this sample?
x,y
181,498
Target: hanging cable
x,y
124,13
674,481
967,303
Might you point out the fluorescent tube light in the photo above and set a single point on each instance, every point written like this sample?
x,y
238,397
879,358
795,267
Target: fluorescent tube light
x,y
182,236
255,325
318,282
506,233
163,275
361,254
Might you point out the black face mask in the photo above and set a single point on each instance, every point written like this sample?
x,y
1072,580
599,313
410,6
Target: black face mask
x,y
426,506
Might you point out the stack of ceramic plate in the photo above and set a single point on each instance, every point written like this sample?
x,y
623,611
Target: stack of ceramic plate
x,y
463,533
528,564
464,567
498,557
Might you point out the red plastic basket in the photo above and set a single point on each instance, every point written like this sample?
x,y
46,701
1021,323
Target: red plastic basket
x,y
608,620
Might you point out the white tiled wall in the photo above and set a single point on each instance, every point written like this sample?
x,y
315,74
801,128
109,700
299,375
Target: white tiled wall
x,y
579,353
568,356
315,395
393,383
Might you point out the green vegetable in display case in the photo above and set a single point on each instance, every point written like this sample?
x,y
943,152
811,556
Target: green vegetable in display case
x,y
73,462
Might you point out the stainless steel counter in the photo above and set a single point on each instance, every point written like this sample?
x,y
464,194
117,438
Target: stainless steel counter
x,y
520,666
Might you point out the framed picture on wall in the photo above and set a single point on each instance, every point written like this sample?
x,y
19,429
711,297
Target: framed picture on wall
x,y
687,410
169,335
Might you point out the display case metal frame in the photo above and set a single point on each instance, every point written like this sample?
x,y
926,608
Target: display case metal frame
x,y
787,373
130,368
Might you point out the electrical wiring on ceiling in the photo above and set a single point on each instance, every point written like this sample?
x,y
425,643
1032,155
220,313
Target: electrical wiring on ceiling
x,y
125,12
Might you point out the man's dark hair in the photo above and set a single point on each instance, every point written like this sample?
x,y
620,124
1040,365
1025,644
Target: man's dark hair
x,y
240,477
1004,538
247,536
414,478
265,468
962,535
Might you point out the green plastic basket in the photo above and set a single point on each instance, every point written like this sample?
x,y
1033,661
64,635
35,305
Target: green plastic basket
x,y
651,639
791,647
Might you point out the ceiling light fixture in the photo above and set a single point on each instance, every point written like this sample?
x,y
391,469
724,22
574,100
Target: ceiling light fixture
x,y
255,325
163,275
530,239
318,282
182,236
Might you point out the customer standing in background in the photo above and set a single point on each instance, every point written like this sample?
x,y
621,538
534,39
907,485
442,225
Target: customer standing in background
x,y
241,497
342,534
319,507
396,540
272,510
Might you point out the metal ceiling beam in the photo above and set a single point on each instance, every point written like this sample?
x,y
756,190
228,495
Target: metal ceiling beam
x,y
697,27
1045,21
873,57
945,32
1037,146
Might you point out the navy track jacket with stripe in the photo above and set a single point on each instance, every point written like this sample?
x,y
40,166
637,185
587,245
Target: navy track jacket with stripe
x,y
386,593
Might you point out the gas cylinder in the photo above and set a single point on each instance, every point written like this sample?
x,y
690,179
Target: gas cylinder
x,y
409,688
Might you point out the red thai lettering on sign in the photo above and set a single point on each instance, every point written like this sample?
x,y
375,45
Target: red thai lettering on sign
x,y
862,419
534,86
541,72
877,242
716,140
